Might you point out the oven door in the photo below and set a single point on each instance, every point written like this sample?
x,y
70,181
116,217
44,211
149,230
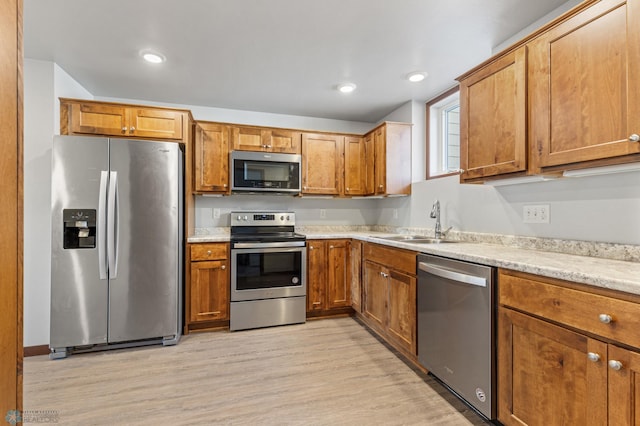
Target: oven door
x,y
262,271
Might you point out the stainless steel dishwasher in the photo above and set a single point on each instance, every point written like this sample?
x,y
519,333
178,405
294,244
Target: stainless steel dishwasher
x,y
456,328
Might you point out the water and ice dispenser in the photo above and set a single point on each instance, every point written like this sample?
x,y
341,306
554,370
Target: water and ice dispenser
x,y
79,228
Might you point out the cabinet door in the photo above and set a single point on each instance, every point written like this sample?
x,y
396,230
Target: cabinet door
x,y
380,161
355,166
402,310
322,164
96,119
376,289
285,141
316,275
370,155
338,284
493,117
584,85
545,376
624,387
209,291
355,262
155,123
249,138
212,158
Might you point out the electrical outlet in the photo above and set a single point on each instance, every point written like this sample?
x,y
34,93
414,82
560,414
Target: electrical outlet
x,y
395,213
216,213
535,214
323,213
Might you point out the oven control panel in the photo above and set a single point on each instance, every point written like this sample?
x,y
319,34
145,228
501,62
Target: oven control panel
x,y
253,218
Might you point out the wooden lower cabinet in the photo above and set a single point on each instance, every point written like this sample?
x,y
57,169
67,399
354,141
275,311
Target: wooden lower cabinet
x,y
389,301
208,289
554,373
328,277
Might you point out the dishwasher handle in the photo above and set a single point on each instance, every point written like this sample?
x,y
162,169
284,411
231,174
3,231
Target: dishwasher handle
x,y
452,275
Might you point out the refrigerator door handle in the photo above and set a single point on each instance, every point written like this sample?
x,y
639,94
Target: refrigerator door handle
x,y
112,224
102,225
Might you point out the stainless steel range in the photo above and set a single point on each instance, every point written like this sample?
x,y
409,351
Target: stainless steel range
x,y
268,270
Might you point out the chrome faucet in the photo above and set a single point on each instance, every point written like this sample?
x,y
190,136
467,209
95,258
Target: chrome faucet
x,y
435,214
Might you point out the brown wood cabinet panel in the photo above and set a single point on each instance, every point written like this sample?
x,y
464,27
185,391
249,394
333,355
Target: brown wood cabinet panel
x,y
380,160
97,119
316,275
211,158
356,275
370,154
338,285
322,164
214,251
250,138
578,309
493,118
376,294
624,387
393,258
285,141
546,377
584,82
156,123
355,166
402,310
209,291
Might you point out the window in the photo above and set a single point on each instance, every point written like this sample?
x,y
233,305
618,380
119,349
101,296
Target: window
x,y
443,134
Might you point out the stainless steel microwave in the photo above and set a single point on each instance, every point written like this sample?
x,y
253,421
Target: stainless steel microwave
x,y
265,172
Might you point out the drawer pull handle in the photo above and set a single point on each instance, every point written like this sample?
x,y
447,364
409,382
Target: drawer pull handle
x,y
594,357
605,318
615,365
208,252
634,138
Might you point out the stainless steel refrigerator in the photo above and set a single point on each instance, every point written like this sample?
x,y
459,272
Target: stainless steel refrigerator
x,y
117,238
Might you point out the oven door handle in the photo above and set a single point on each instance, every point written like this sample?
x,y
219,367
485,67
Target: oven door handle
x,y
258,245
452,275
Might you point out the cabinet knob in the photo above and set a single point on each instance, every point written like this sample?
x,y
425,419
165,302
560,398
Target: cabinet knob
x,y
605,318
225,185
208,252
268,146
592,356
310,247
634,137
331,247
223,267
615,365
124,130
132,129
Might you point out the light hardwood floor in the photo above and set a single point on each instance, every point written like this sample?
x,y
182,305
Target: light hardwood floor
x,y
324,372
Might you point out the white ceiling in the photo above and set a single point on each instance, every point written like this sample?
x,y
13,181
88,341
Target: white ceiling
x,y
279,56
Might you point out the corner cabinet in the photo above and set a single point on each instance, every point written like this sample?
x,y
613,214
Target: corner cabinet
x,y
493,118
328,277
584,81
211,158
389,295
391,159
80,117
208,288
566,354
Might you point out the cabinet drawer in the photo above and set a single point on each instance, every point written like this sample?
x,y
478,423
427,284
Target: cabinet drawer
x,y
208,251
575,308
393,258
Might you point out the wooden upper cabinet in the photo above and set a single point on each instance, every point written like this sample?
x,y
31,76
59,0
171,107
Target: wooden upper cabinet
x,y
493,118
249,138
584,81
355,166
322,164
99,118
370,154
391,159
211,157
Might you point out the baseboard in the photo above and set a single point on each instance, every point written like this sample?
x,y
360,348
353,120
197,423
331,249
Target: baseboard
x,y
36,350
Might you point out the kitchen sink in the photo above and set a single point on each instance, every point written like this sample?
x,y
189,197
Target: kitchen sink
x,y
417,239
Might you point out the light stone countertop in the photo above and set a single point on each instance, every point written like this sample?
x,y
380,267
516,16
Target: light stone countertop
x,y
605,273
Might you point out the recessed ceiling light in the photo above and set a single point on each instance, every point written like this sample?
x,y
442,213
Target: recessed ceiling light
x,y
153,57
417,76
346,87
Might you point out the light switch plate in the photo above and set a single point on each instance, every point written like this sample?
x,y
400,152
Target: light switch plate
x,y
536,214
